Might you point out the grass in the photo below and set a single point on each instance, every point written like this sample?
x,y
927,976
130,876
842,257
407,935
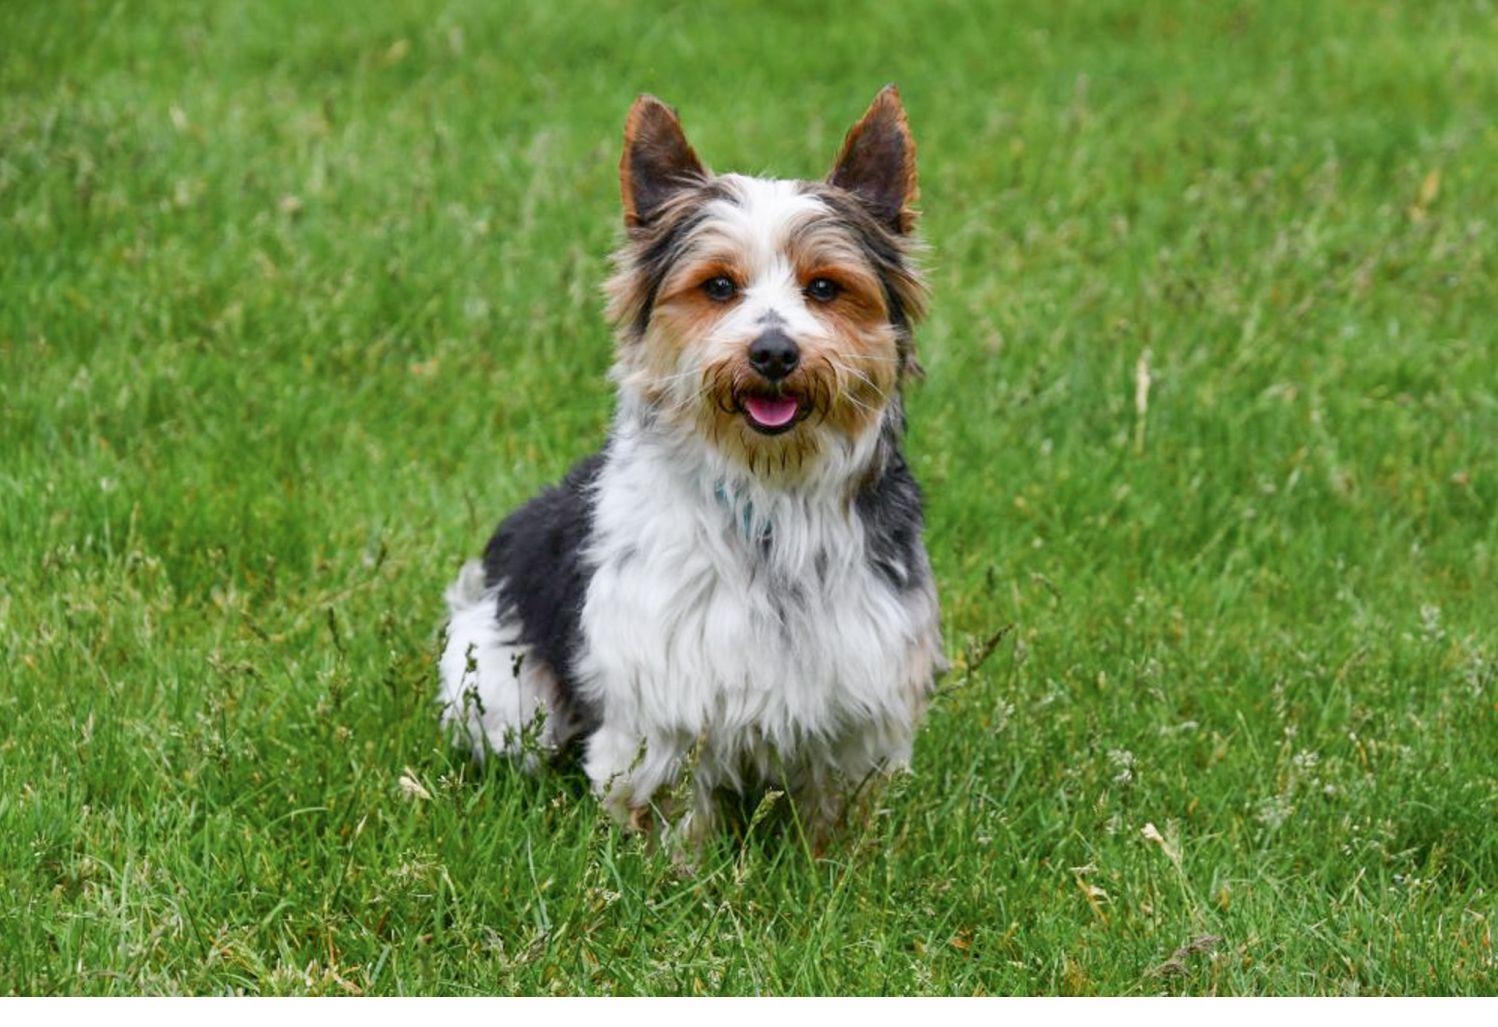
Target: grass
x,y
296,300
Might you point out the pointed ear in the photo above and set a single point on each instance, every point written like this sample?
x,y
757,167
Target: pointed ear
x,y
657,160
877,162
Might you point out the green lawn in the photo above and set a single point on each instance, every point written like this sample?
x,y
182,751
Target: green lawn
x,y
295,303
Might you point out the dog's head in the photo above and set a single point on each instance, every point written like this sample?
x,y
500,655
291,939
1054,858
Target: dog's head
x,y
771,316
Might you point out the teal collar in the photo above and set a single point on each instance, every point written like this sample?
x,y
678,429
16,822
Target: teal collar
x,y
744,514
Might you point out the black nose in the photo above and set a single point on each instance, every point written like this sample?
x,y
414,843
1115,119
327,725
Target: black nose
x,y
774,354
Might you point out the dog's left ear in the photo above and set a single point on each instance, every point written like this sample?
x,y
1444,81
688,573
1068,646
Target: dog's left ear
x,y
877,162
657,162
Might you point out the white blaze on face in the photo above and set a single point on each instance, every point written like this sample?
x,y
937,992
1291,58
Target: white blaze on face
x,y
757,225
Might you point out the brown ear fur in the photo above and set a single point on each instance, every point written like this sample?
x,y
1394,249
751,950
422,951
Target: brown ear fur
x,y
657,160
877,162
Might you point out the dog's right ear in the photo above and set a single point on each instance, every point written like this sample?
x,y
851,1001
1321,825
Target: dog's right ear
x,y
657,160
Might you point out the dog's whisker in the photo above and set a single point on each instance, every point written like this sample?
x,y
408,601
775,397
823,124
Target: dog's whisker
x,y
862,377
688,373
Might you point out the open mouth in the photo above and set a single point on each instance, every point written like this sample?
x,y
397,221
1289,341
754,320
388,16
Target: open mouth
x,y
770,415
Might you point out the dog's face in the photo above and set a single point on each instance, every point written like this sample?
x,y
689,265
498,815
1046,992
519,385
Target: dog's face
x,y
772,317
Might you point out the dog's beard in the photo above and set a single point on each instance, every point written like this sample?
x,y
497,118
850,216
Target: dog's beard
x,y
775,430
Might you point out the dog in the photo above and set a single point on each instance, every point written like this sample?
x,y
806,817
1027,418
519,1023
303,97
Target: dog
x,y
733,594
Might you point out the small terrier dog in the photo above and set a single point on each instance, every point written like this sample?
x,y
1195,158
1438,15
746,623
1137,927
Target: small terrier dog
x,y
733,594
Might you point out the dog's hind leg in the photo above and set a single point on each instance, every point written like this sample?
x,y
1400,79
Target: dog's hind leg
x,y
497,696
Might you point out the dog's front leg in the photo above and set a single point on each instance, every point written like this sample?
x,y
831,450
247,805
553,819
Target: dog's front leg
x,y
645,783
618,763
819,797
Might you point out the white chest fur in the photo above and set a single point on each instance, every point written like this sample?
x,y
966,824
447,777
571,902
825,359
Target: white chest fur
x,y
745,624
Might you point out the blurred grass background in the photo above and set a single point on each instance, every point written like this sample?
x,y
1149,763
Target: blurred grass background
x,y
297,299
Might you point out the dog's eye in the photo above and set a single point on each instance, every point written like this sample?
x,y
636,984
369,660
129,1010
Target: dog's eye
x,y
720,288
823,290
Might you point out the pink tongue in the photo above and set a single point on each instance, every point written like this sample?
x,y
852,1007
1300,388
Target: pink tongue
x,y
772,413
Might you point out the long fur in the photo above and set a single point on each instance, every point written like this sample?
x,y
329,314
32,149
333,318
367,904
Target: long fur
x,y
704,603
